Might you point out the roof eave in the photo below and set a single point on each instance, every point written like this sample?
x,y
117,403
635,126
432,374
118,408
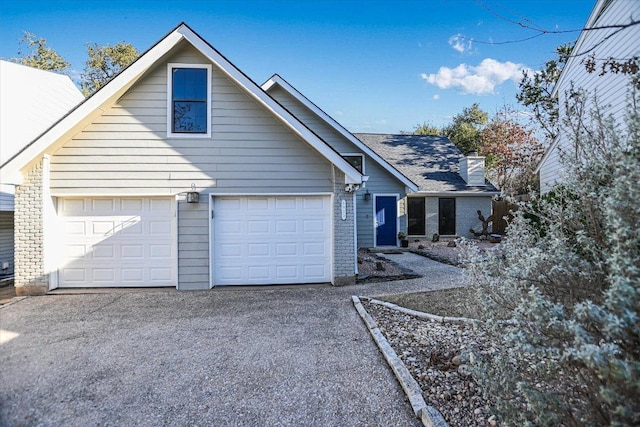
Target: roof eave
x,y
277,79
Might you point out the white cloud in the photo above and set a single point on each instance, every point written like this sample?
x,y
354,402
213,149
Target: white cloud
x,y
481,79
436,97
460,43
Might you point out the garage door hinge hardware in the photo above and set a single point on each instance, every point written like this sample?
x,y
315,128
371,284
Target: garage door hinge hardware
x,y
211,214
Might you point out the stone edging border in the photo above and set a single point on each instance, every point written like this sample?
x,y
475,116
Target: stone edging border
x,y
429,415
421,314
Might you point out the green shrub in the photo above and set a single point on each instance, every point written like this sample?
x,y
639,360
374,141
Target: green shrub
x,y
562,301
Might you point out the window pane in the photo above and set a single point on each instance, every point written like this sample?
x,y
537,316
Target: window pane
x,y
447,220
355,161
190,84
416,214
190,117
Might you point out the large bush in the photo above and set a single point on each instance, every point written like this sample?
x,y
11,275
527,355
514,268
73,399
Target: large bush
x,y
562,296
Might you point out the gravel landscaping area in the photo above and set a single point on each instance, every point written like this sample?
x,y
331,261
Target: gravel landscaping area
x,y
438,356
441,251
372,268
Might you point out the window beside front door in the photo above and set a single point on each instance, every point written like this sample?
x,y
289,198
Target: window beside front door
x,y
447,216
416,216
189,108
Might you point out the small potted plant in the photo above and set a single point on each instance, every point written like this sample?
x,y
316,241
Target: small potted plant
x,y
402,236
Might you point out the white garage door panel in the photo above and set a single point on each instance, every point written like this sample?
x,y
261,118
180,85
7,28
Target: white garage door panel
x,y
272,240
117,241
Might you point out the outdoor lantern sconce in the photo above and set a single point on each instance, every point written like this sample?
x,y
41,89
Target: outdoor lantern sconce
x,y
367,196
193,196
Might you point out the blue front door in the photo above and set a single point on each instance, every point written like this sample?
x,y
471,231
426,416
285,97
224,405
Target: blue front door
x,y
385,221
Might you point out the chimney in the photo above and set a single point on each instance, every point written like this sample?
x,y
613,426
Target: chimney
x,y
472,170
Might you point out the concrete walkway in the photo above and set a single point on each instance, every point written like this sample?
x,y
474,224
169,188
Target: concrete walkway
x,y
251,357
435,275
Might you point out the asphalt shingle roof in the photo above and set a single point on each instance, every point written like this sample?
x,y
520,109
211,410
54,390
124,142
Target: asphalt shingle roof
x,y
429,161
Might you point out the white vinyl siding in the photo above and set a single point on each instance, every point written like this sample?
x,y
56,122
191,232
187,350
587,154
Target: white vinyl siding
x,y
611,89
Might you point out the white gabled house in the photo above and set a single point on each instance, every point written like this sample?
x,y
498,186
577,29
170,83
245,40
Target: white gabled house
x,y
183,172
620,44
31,100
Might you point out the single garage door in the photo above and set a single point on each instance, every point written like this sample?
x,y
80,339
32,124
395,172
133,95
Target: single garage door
x,y
271,240
117,242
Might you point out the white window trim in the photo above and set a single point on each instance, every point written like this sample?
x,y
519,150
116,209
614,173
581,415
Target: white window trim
x,y
354,155
170,133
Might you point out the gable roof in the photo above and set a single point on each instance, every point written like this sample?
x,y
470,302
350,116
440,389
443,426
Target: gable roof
x,y
279,81
109,93
32,100
430,161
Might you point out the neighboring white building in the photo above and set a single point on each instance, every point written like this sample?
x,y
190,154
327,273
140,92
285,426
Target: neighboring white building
x,y
610,88
31,101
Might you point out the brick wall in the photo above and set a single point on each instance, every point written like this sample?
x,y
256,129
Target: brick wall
x,y
343,240
30,276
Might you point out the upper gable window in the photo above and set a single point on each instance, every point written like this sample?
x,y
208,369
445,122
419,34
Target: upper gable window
x,y
189,99
355,160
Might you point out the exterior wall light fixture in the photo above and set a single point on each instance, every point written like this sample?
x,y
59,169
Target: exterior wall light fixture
x,y
193,196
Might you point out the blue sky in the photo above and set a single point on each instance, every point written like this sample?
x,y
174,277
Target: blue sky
x,y
375,66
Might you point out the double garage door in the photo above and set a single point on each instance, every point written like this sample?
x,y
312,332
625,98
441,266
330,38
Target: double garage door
x,y
132,242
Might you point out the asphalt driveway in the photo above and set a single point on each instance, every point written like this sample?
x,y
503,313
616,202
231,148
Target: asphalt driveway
x,y
294,356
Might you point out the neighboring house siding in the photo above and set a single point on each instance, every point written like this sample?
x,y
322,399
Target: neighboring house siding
x,y
551,170
6,243
611,89
193,245
125,150
380,180
6,197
